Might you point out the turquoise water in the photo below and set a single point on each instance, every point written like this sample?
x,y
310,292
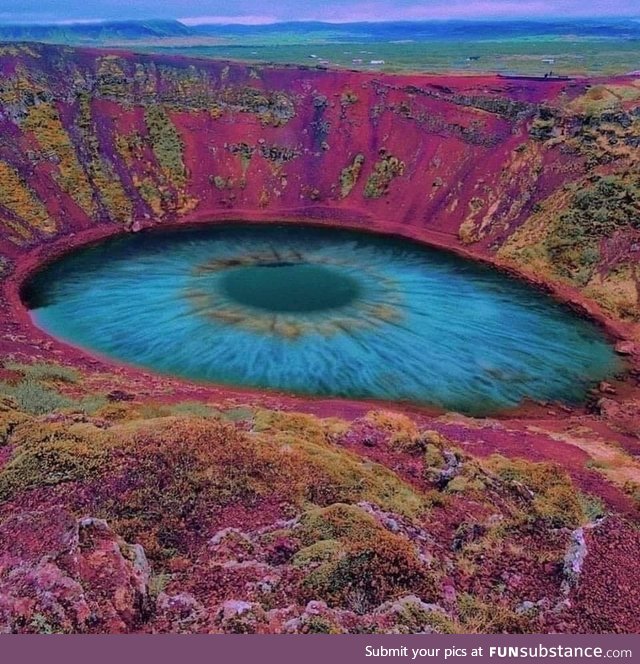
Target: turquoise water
x,y
322,312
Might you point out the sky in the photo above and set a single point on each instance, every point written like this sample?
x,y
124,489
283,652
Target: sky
x,y
253,12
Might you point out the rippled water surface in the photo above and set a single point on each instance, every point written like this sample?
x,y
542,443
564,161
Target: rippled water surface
x,y
321,312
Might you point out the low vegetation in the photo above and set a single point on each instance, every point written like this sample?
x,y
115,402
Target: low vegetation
x,y
166,144
334,526
350,175
605,206
384,172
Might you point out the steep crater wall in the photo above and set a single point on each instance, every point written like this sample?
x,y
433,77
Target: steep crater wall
x,y
94,143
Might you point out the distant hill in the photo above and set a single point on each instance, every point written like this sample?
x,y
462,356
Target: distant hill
x,y
428,31
318,32
94,32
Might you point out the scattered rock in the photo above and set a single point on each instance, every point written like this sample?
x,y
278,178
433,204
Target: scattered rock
x,y
231,545
574,559
526,607
410,614
400,605
626,348
240,617
181,610
120,395
452,468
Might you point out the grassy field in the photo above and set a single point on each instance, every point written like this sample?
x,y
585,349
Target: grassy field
x,y
535,47
522,56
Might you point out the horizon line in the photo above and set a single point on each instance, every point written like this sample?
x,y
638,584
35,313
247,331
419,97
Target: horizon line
x,y
190,22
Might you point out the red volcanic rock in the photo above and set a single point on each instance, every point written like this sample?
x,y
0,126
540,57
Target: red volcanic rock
x,y
622,416
11,377
607,388
263,138
627,348
607,596
61,574
115,574
281,549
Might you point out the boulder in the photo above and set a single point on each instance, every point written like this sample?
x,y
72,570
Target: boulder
x,y
63,574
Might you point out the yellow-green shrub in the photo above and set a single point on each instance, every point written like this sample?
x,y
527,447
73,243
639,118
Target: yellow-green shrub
x,y
370,566
546,489
49,454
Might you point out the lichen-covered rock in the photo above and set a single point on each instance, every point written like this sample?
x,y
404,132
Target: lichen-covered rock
x,y
410,613
231,544
179,612
574,560
113,571
240,617
58,573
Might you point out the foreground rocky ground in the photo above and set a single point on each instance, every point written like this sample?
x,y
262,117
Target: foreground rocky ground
x,y
124,515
